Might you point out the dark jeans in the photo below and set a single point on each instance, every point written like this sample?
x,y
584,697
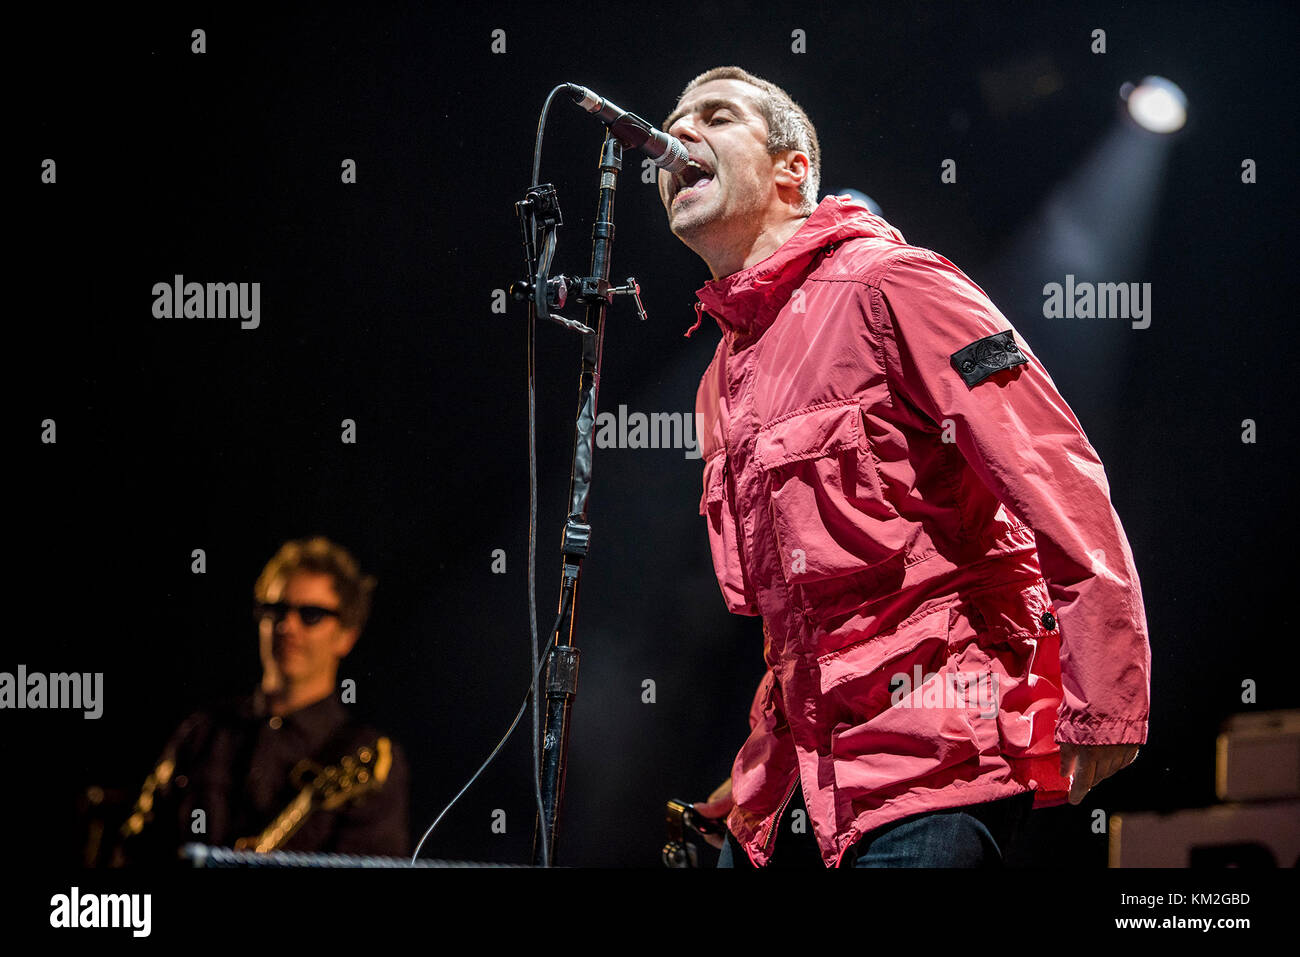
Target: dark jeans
x,y
976,835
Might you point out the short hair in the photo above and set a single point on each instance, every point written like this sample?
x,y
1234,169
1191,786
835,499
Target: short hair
x,y
788,126
321,556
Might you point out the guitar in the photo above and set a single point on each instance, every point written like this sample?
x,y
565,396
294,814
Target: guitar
x,y
328,788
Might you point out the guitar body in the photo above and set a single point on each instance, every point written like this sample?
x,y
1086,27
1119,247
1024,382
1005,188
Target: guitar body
x,y
327,788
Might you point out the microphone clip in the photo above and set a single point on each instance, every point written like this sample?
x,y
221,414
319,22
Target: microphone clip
x,y
539,215
539,212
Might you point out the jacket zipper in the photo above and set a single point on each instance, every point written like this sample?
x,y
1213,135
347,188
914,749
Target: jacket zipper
x,y
771,828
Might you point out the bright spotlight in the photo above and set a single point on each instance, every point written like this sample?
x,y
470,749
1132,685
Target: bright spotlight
x,y
861,197
1156,104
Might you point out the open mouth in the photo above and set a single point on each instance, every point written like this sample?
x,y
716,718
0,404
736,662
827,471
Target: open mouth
x,y
694,179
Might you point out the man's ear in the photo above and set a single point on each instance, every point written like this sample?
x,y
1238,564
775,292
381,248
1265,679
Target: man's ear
x,y
792,168
344,639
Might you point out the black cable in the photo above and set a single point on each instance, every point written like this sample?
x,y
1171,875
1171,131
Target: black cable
x,y
544,836
505,737
534,651
541,126
534,655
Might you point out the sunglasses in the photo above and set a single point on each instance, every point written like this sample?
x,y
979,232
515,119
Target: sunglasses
x,y
308,614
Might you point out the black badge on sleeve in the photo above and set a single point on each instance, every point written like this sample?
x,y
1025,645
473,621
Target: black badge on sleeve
x,y
983,357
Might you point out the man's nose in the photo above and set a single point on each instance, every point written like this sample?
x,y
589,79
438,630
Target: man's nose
x,y
684,129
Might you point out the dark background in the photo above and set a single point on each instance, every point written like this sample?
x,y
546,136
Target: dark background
x,y
376,306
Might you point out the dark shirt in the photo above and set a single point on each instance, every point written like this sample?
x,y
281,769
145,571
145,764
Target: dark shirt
x,y
235,763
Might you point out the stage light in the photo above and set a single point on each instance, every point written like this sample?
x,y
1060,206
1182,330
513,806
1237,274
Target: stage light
x,y
1156,104
858,196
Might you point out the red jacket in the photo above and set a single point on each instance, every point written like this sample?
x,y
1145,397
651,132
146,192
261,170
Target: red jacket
x,y
893,482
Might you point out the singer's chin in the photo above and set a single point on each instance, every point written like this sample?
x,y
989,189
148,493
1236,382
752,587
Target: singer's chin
x,y
681,231
685,224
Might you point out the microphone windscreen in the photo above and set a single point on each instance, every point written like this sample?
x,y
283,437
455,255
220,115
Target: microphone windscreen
x,y
675,157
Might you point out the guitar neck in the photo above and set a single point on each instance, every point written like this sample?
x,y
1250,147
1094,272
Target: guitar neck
x,y
284,826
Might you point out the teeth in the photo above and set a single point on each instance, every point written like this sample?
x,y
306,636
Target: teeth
x,y
694,164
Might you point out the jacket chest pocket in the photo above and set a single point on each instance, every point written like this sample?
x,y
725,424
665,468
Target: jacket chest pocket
x,y
724,537
827,509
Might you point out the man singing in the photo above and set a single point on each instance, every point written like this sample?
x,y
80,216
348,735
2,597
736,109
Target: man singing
x,y
954,628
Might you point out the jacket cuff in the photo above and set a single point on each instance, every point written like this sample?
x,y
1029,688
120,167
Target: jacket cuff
x,y
1090,729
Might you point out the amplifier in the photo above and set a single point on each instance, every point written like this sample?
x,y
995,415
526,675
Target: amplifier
x,y
1258,757
1262,834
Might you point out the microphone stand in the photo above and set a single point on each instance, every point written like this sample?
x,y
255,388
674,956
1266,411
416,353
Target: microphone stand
x,y
540,210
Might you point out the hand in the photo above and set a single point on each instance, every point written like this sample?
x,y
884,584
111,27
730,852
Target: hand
x,y
718,805
1087,765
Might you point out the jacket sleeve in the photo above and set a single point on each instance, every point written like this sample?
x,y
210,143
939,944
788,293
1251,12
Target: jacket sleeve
x,y
1019,436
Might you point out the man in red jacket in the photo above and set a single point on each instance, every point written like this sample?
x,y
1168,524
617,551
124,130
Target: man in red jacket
x,y
953,622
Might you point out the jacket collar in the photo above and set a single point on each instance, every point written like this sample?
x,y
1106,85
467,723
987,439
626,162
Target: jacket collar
x,y
747,302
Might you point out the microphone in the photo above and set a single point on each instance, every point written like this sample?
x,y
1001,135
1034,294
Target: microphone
x,y
666,152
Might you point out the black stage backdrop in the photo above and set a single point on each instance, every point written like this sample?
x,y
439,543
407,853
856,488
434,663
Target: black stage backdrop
x,y
377,306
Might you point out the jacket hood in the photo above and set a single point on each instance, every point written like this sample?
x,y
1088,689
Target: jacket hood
x,y
748,301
